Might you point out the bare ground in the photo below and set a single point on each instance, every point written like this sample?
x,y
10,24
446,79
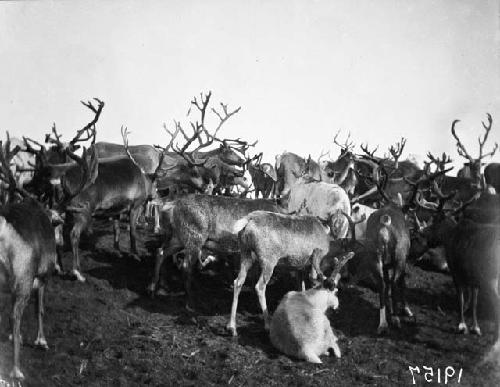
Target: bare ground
x,y
107,332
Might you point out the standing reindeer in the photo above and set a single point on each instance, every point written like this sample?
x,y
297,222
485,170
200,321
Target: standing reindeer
x,y
27,253
263,177
471,243
270,238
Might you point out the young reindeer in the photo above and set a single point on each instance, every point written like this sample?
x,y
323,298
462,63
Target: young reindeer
x,y
27,255
272,238
300,327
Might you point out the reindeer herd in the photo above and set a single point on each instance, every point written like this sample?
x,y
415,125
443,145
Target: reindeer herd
x,y
359,215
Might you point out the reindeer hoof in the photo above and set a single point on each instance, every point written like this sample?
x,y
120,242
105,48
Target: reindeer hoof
x,y
151,290
395,322
408,312
476,331
232,330
382,329
41,343
157,230
189,308
135,256
462,328
16,374
76,274
58,269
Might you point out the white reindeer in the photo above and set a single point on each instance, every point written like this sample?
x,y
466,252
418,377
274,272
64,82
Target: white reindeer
x,y
299,326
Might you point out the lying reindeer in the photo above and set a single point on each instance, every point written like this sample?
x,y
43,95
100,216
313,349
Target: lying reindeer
x,y
300,327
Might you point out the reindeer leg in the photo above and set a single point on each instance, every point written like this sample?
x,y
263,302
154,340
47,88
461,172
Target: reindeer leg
x,y
116,232
134,216
245,264
159,258
260,288
462,326
81,222
20,301
191,259
156,214
406,308
475,326
40,341
59,248
494,354
383,325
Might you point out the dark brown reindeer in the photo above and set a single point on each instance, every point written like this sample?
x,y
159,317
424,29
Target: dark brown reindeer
x,y
263,176
471,245
389,237
27,253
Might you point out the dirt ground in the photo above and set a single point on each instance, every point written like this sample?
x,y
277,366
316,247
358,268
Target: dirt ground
x,y
107,332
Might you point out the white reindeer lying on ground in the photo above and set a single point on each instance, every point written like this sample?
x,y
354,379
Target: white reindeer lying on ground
x,y
299,326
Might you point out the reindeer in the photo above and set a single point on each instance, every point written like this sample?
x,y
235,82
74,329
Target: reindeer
x,y
471,243
27,253
299,326
195,222
471,247
271,238
263,176
342,171
389,237
289,168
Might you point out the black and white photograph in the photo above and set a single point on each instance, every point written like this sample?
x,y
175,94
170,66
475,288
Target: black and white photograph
x,y
249,193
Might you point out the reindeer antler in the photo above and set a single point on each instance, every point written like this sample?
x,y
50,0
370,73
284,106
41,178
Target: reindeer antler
x,y
396,151
487,129
370,154
347,145
89,129
461,148
199,129
6,175
439,162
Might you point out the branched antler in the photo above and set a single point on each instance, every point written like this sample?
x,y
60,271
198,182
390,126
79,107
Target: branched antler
x,y
346,146
200,130
323,154
487,129
89,129
396,151
440,163
370,154
6,175
461,148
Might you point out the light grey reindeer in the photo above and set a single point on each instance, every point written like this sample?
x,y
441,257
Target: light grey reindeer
x,y
270,239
